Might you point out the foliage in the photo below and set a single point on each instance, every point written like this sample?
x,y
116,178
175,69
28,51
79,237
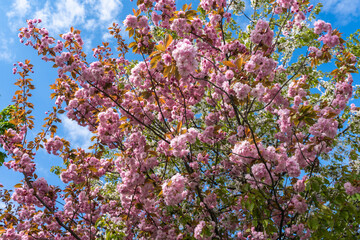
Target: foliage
x,y
5,123
219,132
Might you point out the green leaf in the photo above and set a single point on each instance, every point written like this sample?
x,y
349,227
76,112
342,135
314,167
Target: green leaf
x,y
313,223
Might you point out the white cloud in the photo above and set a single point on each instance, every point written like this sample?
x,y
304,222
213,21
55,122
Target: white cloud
x,y
107,9
90,16
6,53
17,13
78,136
61,16
88,44
106,36
344,10
90,24
19,8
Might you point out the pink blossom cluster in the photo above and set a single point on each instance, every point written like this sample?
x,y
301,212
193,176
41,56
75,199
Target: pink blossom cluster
x,y
82,105
343,93
284,121
167,59
211,135
64,57
320,26
293,167
23,164
26,32
324,127
164,148
174,190
286,3
155,17
23,66
59,46
328,39
138,73
178,144
53,145
298,230
272,96
299,17
78,172
133,22
26,195
297,91
233,47
210,200
262,33
212,118
258,91
351,189
229,74
299,204
241,90
13,137
181,26
300,184
167,8
198,230
318,52
71,37
260,173
260,65
243,153
258,235
207,5
109,123
185,57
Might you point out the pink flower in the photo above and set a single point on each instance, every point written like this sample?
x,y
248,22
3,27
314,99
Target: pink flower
x,y
300,205
324,128
184,55
243,153
173,190
260,65
293,167
130,21
167,59
321,26
241,90
53,145
229,74
285,3
350,189
143,22
262,33
198,230
156,18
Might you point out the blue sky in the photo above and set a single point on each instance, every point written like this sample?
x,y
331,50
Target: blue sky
x,y
92,17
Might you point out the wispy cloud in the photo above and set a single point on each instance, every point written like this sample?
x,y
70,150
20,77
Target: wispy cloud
x,y
19,8
6,54
90,16
107,9
18,11
62,15
343,10
77,135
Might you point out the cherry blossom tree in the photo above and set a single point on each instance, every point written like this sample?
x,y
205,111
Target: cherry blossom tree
x,y
219,132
